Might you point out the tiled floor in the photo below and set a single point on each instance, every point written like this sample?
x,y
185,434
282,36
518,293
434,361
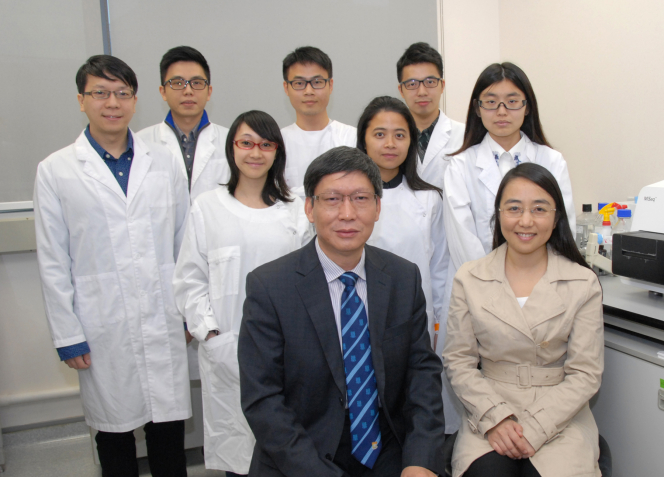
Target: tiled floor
x,y
66,450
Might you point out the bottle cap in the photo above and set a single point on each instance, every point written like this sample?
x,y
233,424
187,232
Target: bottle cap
x,y
625,213
601,205
587,207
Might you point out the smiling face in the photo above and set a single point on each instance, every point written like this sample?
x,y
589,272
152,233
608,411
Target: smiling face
x,y
188,102
423,102
526,234
343,231
309,101
255,163
387,141
503,125
109,116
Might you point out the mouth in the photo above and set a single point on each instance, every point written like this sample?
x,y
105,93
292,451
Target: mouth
x,y
112,118
502,123
525,237
255,164
188,103
390,156
422,103
347,233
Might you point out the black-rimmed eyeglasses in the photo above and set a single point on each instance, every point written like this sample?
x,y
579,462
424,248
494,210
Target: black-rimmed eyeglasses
x,y
300,84
511,104
430,82
181,83
105,94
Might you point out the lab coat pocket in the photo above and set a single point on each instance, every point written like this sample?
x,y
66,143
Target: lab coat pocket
x,y
97,300
222,355
224,271
166,272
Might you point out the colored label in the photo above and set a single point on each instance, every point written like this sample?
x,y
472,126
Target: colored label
x,y
661,383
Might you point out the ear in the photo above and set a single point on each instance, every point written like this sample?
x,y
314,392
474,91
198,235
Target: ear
x,y
309,208
80,101
286,88
331,84
209,92
377,209
400,90
442,83
162,92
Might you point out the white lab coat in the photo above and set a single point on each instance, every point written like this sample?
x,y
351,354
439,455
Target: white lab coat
x,y
106,262
447,137
224,241
210,169
210,163
302,147
411,226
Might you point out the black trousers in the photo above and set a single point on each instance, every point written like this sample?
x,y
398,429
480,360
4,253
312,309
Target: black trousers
x,y
388,463
496,465
165,442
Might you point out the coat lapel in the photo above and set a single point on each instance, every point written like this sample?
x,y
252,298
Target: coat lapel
x,y
95,166
315,294
139,168
490,174
378,296
439,139
204,150
169,139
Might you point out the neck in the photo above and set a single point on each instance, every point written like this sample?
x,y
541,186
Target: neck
x,y
387,175
249,192
527,263
312,123
423,122
187,123
347,261
507,142
113,143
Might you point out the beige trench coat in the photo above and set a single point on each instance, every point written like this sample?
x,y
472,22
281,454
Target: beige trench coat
x,y
560,326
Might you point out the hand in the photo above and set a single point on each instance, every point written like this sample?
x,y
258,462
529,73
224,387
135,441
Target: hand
x,y
507,439
414,471
210,335
187,336
79,362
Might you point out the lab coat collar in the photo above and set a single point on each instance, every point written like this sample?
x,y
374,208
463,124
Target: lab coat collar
x,y
95,167
439,138
498,149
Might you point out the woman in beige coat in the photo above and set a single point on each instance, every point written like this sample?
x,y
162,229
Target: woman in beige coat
x,y
530,313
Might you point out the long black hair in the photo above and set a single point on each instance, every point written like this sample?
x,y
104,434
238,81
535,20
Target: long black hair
x,y
561,240
409,166
266,127
495,73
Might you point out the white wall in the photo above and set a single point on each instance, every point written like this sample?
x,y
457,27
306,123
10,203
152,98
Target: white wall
x,y
596,69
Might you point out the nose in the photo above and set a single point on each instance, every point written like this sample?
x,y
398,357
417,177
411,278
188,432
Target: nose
x,y
389,141
188,89
309,89
256,151
526,219
504,110
112,101
421,90
346,209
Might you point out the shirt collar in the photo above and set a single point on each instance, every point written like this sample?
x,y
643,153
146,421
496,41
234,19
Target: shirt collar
x,y
430,129
498,149
204,122
101,151
396,182
334,271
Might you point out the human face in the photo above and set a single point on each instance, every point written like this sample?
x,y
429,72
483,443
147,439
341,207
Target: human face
x,y
503,125
111,116
423,102
309,101
187,102
387,139
255,163
526,234
342,232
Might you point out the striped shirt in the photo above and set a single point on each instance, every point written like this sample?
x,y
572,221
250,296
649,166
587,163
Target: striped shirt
x,y
332,273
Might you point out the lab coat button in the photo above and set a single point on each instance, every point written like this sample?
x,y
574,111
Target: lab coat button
x,y
294,232
120,174
424,214
544,344
108,156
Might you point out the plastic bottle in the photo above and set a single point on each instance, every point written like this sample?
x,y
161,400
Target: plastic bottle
x,y
605,230
585,224
624,223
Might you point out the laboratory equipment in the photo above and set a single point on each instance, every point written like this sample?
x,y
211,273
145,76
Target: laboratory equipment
x,y
585,224
639,254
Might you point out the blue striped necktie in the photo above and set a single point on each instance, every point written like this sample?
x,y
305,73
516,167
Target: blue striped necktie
x,y
360,377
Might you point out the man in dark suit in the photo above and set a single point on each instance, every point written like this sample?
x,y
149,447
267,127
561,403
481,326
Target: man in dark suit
x,y
325,392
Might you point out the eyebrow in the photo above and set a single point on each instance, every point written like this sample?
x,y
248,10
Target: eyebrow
x,y
192,78
536,201
309,78
508,94
102,86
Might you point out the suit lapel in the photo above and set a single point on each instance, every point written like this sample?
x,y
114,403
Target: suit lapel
x,y
503,305
315,294
378,296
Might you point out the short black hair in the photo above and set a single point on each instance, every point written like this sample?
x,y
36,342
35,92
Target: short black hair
x,y
266,127
419,53
182,53
562,239
306,55
107,67
341,159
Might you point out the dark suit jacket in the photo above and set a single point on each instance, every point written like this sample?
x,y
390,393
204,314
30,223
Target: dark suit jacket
x,y
291,367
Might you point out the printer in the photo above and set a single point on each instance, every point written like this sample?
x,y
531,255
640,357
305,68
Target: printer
x,y
638,255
